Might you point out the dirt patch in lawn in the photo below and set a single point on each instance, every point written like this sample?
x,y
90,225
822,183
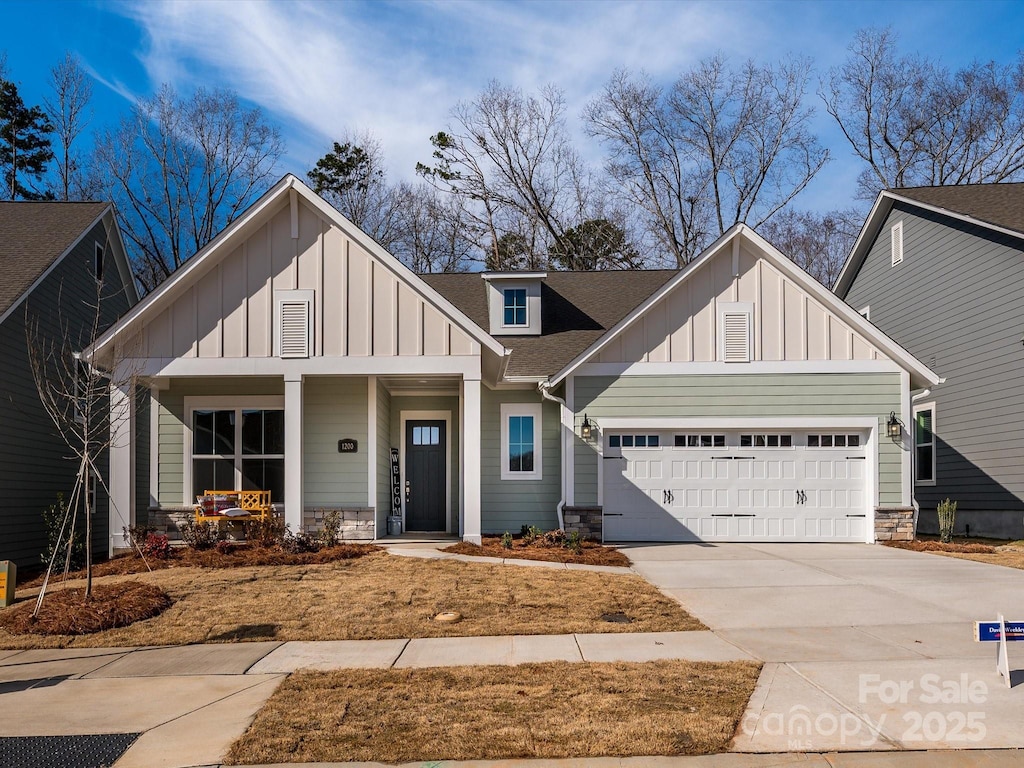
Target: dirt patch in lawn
x,y
485,713
381,596
926,545
67,612
589,553
239,556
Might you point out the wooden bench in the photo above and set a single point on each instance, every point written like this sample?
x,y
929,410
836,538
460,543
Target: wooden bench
x,y
256,503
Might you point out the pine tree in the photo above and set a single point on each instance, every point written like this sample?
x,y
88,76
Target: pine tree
x,y
24,143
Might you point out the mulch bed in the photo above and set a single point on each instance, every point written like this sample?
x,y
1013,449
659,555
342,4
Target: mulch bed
x,y
926,545
590,553
68,612
239,556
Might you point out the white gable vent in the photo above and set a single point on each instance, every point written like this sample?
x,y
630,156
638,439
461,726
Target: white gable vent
x,y
734,332
294,309
897,243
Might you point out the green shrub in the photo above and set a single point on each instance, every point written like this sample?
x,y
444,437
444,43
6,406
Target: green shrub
x,y
330,533
574,542
506,540
531,533
947,516
53,519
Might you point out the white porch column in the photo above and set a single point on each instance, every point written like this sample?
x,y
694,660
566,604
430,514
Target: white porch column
x,y
471,460
121,480
293,451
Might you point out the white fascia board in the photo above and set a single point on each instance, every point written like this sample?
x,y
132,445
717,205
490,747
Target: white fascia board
x,y
121,255
868,233
195,265
710,422
718,368
468,366
53,265
514,275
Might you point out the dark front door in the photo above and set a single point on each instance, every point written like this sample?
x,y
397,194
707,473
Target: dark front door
x,y
425,473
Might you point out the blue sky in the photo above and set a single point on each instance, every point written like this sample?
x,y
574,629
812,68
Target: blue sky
x,y
397,68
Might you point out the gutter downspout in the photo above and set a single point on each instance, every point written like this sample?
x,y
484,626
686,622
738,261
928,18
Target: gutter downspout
x,y
543,389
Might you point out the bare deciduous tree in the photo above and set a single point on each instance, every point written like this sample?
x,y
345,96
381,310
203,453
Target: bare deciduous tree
x,y
913,122
721,146
68,111
819,243
433,236
181,169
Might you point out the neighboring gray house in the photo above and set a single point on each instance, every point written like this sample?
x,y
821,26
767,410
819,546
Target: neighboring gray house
x,y
51,256
733,400
941,271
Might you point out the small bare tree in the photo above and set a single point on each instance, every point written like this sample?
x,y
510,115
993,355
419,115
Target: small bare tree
x,y
819,243
68,111
76,396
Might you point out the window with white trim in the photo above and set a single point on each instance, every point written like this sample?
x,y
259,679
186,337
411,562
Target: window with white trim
x,y
521,457
896,242
924,444
237,449
734,332
514,309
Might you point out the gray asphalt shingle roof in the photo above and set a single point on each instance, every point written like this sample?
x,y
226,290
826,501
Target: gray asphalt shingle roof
x,y
999,204
577,308
32,236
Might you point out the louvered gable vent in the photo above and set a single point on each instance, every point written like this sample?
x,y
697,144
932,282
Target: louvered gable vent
x,y
293,313
735,332
896,237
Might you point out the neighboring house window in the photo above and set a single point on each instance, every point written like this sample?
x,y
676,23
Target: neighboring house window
x,y
97,263
520,441
896,236
924,444
515,307
238,449
734,332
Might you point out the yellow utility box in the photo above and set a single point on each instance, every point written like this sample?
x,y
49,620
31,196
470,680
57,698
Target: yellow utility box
x,y
8,579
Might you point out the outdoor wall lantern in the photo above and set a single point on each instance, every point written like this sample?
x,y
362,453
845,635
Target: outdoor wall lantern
x,y
586,428
894,427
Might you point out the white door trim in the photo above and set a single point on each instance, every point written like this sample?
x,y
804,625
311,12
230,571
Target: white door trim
x,y
446,417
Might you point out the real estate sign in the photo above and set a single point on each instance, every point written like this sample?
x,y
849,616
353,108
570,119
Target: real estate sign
x,y
8,579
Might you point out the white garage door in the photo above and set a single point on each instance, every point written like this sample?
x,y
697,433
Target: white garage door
x,y
736,486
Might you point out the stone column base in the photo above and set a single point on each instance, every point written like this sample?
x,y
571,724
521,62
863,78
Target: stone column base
x,y
585,520
894,524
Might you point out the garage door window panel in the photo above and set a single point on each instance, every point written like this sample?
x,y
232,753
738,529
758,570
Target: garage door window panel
x,y
699,441
520,441
766,441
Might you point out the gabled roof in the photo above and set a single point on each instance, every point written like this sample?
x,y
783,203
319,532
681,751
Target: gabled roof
x,y
33,237
577,308
213,251
920,374
999,207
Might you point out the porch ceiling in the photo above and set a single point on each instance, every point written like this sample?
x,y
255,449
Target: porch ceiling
x,y
418,385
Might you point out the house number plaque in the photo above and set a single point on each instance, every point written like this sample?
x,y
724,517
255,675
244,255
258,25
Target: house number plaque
x,y
348,445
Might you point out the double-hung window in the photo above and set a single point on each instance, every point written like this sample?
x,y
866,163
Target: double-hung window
x,y
924,444
520,441
514,307
236,448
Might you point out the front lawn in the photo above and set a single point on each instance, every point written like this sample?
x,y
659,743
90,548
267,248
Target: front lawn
x,y
554,710
991,551
379,596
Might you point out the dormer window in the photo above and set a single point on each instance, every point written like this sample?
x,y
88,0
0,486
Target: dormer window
x,y
515,308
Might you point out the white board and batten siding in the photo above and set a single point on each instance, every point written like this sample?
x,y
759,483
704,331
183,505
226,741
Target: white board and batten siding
x,y
359,307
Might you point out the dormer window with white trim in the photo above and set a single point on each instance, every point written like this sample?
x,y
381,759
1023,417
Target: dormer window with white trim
x,y
514,308
896,238
734,332
293,324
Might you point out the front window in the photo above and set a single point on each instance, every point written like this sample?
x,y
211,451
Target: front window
x,y
924,445
520,441
515,307
238,449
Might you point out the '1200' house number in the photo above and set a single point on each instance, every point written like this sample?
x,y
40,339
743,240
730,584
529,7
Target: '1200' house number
x,y
348,445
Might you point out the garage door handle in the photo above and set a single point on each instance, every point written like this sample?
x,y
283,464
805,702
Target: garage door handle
x,y
612,458
614,514
859,458
856,515
739,515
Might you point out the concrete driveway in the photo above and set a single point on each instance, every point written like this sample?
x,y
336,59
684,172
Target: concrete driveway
x,y
866,647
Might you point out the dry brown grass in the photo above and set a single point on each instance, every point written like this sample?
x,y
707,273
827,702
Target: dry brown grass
x,y
590,553
381,596
67,612
992,551
928,545
477,713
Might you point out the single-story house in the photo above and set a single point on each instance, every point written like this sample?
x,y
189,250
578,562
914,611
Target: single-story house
x,y
940,270
734,399
60,264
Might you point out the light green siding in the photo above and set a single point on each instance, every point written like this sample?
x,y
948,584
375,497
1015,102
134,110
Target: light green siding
x,y
432,403
383,458
335,408
171,425
506,505
738,396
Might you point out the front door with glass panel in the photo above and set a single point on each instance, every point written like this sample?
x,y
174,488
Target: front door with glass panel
x,y
425,472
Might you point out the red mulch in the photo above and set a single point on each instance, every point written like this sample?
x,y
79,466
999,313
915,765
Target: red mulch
x,y
239,556
924,545
591,553
68,612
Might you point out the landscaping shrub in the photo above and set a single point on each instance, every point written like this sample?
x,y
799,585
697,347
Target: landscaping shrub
x,y
555,538
299,543
267,531
136,535
506,540
53,519
947,516
224,547
531,533
200,535
68,612
330,533
157,546
574,542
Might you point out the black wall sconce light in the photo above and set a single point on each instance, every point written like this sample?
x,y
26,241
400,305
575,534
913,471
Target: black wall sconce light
x,y
894,427
586,428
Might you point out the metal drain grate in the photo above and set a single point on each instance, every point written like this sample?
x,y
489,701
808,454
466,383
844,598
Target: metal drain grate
x,y
94,751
